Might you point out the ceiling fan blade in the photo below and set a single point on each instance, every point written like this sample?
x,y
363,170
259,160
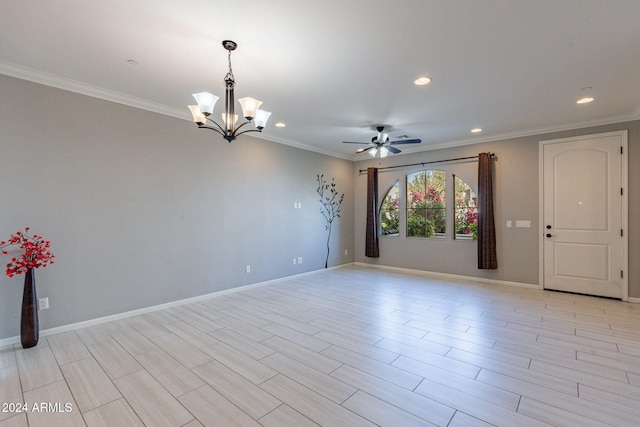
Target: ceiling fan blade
x,y
394,150
351,142
364,150
406,141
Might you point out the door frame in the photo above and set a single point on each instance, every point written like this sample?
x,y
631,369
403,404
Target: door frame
x,y
623,134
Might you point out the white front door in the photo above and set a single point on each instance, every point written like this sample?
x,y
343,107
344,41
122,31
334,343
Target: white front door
x,y
584,214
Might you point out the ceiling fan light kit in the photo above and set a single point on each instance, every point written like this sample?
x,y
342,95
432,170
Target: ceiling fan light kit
x,y
250,107
380,145
382,152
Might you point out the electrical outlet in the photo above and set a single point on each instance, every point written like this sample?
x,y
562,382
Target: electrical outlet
x,y
299,260
508,224
247,269
346,252
43,303
295,261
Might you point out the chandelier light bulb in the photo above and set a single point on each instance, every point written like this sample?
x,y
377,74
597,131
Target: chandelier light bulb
x,y
206,101
198,117
261,118
225,119
249,107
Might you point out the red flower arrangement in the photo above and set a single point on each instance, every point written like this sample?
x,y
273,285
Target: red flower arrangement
x,y
35,253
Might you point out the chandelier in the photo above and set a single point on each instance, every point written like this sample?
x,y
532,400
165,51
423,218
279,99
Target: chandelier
x,y
229,128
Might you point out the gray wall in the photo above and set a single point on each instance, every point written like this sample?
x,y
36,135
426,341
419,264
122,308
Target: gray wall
x,y
516,198
144,209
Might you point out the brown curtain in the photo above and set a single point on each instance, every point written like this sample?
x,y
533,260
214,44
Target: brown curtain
x,y
371,247
487,258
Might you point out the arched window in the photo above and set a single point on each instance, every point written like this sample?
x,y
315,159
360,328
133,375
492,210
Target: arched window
x,y
390,211
466,210
426,216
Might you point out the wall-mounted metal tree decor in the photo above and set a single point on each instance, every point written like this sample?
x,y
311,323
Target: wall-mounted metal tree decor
x,y
330,209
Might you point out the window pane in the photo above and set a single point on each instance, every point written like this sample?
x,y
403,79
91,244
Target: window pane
x,y
416,190
466,210
417,223
438,217
426,215
390,211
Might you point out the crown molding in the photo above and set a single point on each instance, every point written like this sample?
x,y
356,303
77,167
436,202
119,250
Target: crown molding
x,y
63,83
290,143
541,131
29,74
36,76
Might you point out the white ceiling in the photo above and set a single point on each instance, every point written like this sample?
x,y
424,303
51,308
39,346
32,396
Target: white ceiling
x,y
331,69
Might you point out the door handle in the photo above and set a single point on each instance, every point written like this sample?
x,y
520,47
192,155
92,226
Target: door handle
x,y
549,235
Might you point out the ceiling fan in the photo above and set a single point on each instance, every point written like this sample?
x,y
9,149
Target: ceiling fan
x,y
380,145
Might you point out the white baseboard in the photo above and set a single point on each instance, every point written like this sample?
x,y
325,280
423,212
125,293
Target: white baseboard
x,y
455,277
91,322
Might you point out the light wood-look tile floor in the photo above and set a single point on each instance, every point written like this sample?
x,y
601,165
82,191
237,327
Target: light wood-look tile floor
x,y
347,347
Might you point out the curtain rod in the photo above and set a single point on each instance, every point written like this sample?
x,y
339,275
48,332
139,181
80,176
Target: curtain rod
x,y
428,163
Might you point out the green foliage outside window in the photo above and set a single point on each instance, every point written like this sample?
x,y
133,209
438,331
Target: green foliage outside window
x,y
418,225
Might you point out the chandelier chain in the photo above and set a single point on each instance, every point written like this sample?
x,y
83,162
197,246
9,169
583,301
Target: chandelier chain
x,y
229,75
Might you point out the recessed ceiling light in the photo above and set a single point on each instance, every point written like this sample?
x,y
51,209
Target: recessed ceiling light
x,y
421,81
586,95
476,130
585,100
280,125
